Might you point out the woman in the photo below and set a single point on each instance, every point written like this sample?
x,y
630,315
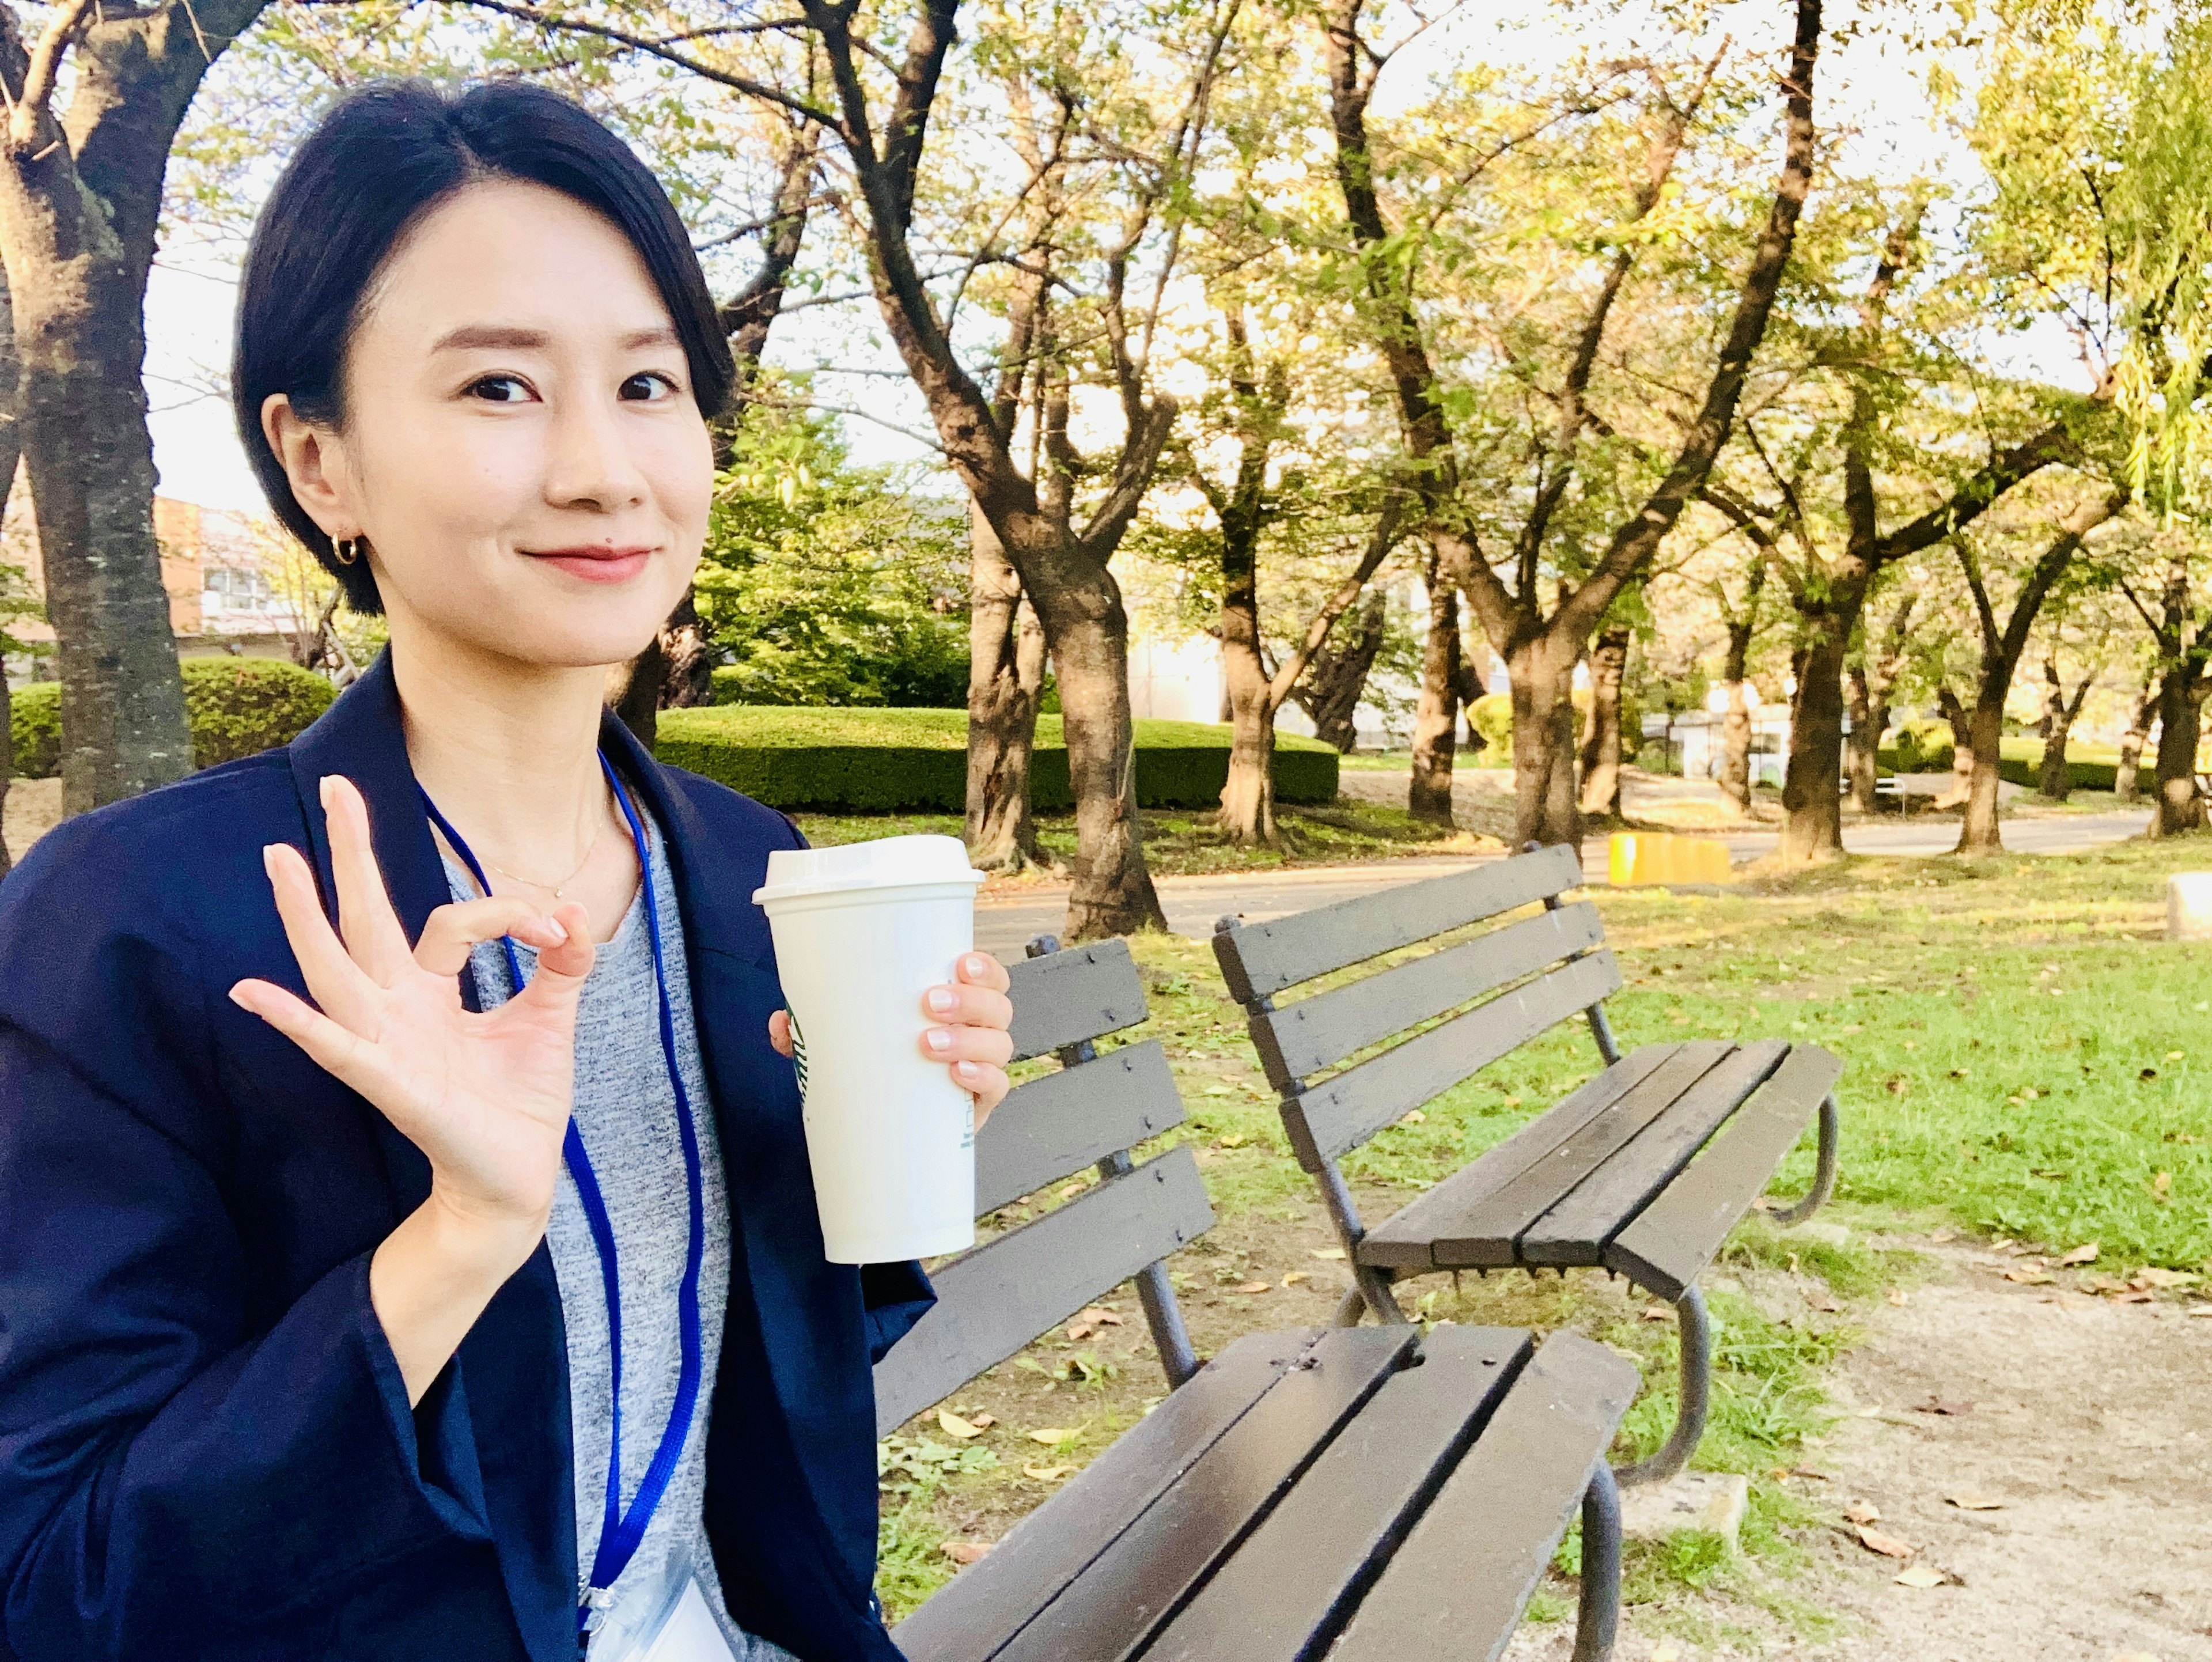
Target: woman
x,y
326,1328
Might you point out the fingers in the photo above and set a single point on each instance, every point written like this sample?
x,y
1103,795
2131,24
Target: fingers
x,y
969,1005
366,919
452,930
988,1085
990,1045
981,970
779,1033
339,985
562,968
345,1055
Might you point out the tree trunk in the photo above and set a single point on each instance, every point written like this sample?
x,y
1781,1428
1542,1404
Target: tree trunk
x,y
687,658
1088,631
1248,796
1436,719
1545,805
79,199
2181,806
1005,680
634,691
1601,744
2054,779
1812,784
2131,743
1962,743
1862,745
1330,691
1977,828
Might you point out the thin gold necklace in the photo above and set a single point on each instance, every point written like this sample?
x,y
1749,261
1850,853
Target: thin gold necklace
x,y
556,890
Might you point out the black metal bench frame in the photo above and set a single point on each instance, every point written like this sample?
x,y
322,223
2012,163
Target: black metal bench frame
x,y
1700,1157
1372,1493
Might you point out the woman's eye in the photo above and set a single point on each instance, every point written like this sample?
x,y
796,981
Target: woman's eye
x,y
646,387
500,389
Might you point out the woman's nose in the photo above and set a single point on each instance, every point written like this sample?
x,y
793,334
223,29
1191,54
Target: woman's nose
x,y
590,465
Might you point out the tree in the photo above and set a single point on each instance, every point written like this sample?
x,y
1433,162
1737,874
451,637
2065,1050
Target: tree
x,y
1874,669
2002,645
1741,619
1600,758
2183,648
80,195
1336,675
1541,645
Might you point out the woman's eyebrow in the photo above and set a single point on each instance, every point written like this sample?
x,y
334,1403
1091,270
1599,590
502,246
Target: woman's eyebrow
x,y
639,339
476,337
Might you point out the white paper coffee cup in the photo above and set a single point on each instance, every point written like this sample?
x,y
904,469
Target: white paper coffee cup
x,y
862,932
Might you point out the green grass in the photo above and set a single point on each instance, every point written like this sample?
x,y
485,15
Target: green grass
x,y
1932,979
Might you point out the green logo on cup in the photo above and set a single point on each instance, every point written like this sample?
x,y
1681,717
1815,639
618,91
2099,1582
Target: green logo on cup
x,y
798,1052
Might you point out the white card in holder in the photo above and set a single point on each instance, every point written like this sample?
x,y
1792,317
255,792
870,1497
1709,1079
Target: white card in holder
x,y
669,1623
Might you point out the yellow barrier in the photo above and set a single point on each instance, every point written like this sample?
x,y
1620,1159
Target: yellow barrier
x,y
1658,857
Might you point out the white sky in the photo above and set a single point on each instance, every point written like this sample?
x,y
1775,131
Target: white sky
x,y
1867,87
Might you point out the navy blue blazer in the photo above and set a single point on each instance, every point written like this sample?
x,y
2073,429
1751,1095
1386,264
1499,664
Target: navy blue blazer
x,y
206,1450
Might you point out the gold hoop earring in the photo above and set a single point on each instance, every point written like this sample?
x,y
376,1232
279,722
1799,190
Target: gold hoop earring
x,y
348,549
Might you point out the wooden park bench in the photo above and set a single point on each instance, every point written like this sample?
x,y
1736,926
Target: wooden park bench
x,y
1643,1172
1392,1495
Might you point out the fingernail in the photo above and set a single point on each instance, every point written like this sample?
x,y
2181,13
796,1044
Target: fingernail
x,y
240,1002
323,789
974,964
939,1040
940,1000
554,928
269,858
969,1069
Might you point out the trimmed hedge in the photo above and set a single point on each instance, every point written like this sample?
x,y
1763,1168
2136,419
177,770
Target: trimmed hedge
x,y
880,760
2019,762
234,707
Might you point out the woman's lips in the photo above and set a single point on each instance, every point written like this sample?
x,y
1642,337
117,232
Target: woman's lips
x,y
596,565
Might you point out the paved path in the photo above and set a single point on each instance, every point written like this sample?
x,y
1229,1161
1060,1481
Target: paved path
x,y
1005,922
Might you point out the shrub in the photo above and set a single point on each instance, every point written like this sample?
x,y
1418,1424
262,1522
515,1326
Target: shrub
x,y
1491,716
2019,761
34,730
878,760
234,707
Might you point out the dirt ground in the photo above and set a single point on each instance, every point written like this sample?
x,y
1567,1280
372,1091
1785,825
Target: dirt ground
x,y
34,807
2086,1421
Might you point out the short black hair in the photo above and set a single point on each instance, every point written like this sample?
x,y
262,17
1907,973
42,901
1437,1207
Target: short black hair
x,y
382,157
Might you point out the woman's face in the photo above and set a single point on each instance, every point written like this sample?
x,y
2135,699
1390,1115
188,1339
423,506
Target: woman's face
x,y
521,449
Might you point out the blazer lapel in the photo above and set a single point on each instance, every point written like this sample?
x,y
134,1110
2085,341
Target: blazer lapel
x,y
514,1361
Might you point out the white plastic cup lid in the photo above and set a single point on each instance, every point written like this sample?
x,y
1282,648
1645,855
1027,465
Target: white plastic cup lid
x,y
889,862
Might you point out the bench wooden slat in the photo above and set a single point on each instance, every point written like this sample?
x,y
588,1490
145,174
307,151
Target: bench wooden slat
x,y
1578,1229
989,1602
1457,1587
1284,1591
1341,1114
1486,1235
1068,996
1065,1121
1407,1240
1674,1238
1260,959
1121,1600
1321,1031
995,1300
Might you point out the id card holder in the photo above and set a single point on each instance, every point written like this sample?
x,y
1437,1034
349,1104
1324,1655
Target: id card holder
x,y
671,1623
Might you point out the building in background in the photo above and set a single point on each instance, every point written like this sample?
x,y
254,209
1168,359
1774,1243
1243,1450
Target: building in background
x,y
226,576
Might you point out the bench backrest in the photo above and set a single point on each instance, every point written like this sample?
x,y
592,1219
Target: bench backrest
x,y
998,1296
1551,966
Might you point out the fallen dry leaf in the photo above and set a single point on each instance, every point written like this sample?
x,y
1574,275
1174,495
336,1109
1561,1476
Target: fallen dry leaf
x,y
954,1426
2085,1253
1658,1313
1416,1117
1049,1434
1069,1191
1946,1234
965,1552
2201,1310
1807,1471
1237,1141
2167,1278
1862,1511
1897,1296
1936,1405
1975,1503
1325,1252
1253,1286
2030,1278
1921,1575
1078,1330
1888,1545
1046,1474
1296,1276
2135,1297
982,1421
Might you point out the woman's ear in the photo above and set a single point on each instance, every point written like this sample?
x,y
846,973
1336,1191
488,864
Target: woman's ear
x,y
310,458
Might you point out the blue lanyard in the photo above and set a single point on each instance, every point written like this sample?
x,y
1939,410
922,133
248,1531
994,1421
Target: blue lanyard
x,y
621,1532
